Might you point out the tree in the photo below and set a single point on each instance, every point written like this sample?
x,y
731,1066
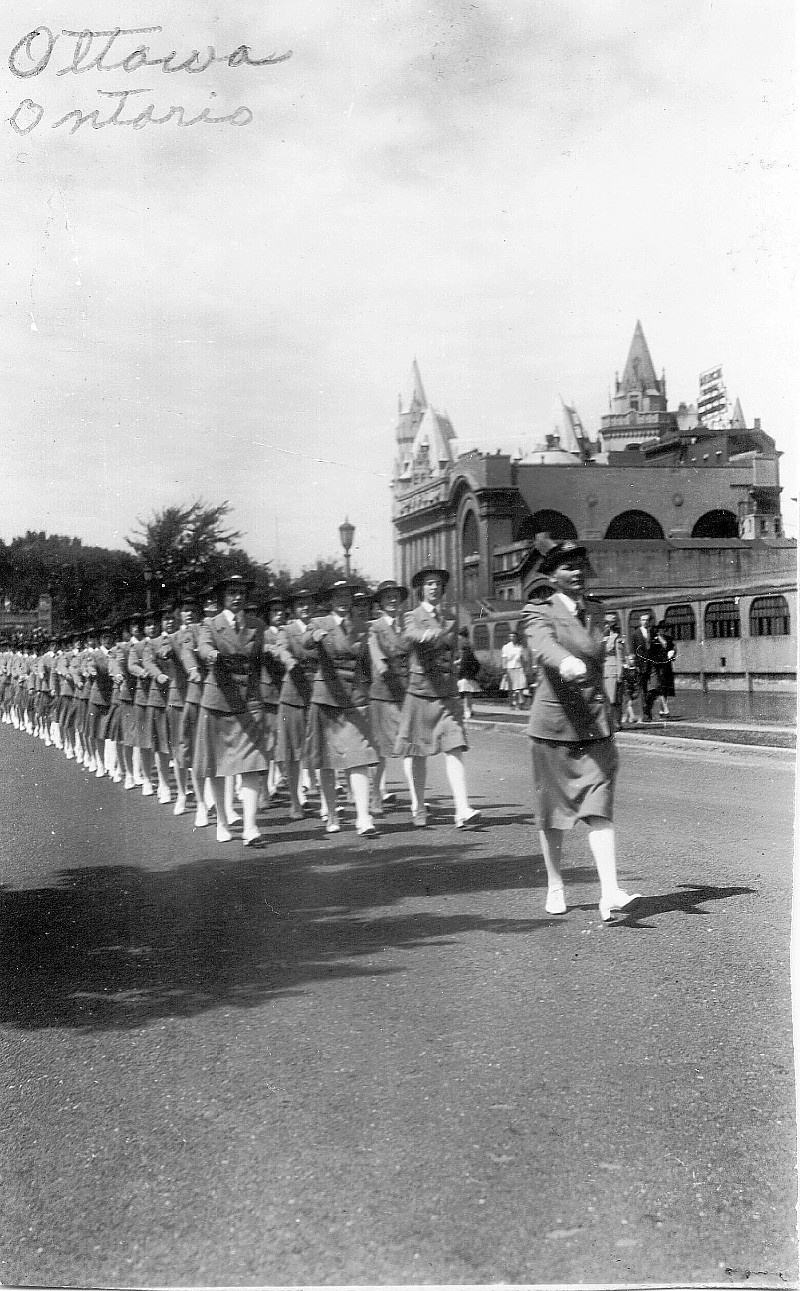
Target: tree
x,y
187,548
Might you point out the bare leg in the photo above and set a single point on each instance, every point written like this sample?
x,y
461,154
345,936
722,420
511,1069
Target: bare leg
x,y
146,758
162,769
293,783
416,774
327,787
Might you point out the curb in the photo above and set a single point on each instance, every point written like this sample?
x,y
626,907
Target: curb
x,y
651,740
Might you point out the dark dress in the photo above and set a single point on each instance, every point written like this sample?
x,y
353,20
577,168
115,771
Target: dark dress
x,y
661,678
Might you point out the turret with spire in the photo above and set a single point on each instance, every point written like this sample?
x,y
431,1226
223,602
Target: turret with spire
x,y
638,413
424,436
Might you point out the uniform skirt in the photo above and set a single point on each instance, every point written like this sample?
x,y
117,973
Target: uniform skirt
x,y
430,725
339,739
385,721
292,723
466,686
187,733
229,743
573,781
113,729
156,729
96,719
271,726
140,734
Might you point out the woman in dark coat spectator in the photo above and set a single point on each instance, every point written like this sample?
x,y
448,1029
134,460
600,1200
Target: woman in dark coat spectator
x,y
661,679
468,668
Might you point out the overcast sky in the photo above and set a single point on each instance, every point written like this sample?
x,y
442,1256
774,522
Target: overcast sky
x,y
500,189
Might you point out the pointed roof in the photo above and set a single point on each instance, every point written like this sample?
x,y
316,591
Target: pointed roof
x,y
737,420
568,427
639,372
418,393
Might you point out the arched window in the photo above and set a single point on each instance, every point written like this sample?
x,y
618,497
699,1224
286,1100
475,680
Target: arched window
x,y
480,636
769,617
502,633
680,622
469,536
722,620
716,524
638,525
555,523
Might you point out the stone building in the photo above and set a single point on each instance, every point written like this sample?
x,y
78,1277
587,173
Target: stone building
x,y
662,499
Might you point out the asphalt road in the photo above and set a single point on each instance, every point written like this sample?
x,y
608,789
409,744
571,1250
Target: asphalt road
x,y
334,1061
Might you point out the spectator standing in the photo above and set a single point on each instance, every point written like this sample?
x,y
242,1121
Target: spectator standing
x,y
468,670
661,679
613,664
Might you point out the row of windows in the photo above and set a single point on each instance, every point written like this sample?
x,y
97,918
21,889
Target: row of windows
x,y
769,617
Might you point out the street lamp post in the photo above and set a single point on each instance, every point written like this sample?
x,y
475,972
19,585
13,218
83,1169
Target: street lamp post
x,y
148,578
346,534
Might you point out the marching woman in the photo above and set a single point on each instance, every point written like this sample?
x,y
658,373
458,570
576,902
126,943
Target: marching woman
x,y
339,736
299,658
272,672
230,724
431,720
388,649
574,757
160,665
141,740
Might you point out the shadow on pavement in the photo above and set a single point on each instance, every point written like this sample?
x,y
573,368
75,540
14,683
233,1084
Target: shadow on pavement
x,y
119,946
686,900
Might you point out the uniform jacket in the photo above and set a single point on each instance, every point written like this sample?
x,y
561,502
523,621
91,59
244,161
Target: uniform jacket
x,y
97,666
232,683
272,667
567,712
138,672
185,641
67,681
300,660
342,678
388,649
160,661
434,648
124,683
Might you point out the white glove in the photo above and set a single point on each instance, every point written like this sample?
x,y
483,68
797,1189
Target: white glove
x,y
572,669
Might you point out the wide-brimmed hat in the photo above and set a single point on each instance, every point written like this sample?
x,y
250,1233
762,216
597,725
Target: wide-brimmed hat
x,y
348,583
389,585
233,580
428,571
555,553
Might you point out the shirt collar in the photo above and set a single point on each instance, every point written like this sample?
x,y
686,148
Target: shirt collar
x,y
571,605
230,616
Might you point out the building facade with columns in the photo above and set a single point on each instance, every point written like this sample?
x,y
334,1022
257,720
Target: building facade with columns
x,y
662,497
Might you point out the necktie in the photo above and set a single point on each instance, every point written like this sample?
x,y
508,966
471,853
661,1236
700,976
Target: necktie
x,y
239,621
580,613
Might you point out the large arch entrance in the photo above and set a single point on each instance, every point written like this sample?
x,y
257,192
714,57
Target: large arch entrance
x,y
555,523
635,525
717,524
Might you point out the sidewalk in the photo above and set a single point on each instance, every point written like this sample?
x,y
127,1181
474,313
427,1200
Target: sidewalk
x,y
763,734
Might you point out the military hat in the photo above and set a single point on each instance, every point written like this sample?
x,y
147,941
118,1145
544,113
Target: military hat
x,y
233,580
355,586
187,600
429,571
556,553
389,585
